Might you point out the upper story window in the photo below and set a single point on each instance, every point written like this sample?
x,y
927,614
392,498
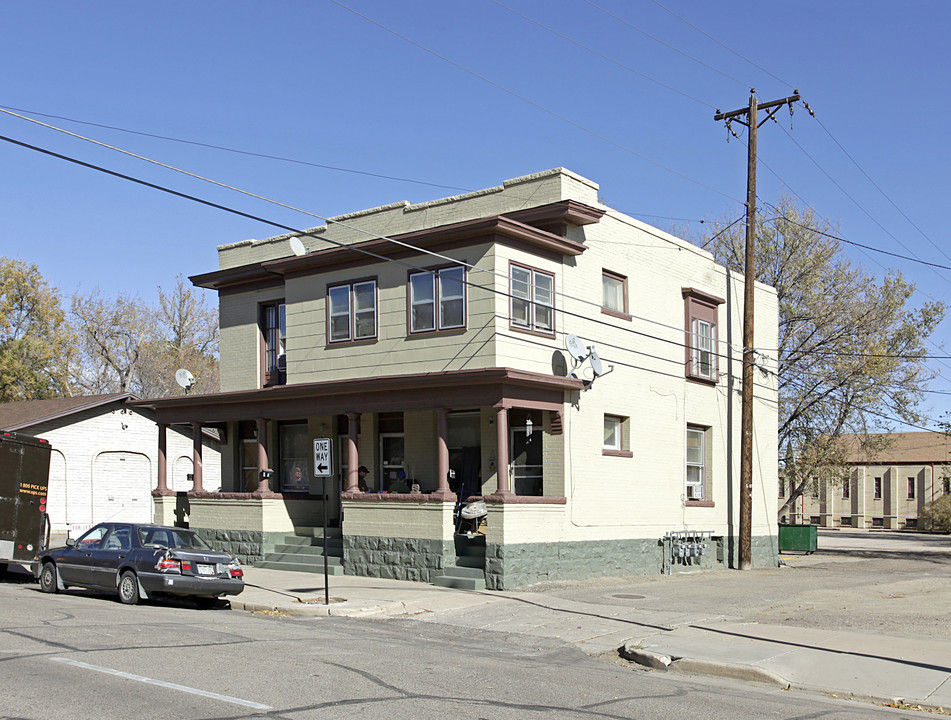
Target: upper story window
x,y
614,294
617,436
533,299
437,300
877,489
274,330
351,311
701,335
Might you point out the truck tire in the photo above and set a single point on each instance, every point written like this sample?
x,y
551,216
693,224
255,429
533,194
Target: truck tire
x,y
49,580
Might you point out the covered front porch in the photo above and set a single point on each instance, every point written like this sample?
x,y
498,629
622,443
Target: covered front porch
x,y
429,442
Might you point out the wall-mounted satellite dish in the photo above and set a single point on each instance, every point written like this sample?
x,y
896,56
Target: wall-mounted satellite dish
x,y
597,366
297,246
184,378
575,347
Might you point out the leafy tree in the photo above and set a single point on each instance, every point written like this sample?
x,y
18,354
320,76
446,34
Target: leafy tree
x,y
851,355
936,515
35,342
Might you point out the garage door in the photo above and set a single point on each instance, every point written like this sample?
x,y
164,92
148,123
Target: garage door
x,y
121,488
57,499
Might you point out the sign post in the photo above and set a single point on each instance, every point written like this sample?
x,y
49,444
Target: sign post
x,y
323,468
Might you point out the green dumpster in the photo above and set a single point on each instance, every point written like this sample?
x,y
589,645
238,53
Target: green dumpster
x,y
798,537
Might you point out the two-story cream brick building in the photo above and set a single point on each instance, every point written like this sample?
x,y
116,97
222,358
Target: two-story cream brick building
x,y
427,342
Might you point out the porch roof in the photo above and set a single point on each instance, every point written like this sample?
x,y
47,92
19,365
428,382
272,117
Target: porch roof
x,y
457,389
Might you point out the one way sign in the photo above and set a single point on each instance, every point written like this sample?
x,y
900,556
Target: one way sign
x,y
323,457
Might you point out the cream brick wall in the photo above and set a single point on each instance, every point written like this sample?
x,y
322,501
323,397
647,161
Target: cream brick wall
x,y
80,494
608,496
424,520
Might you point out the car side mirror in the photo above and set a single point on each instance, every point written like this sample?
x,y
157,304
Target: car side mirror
x,y
70,542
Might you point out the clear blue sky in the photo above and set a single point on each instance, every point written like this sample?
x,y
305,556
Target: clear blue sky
x,y
314,82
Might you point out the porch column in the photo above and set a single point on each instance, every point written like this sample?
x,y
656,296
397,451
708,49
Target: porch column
x,y
263,463
353,457
161,487
442,445
502,453
196,457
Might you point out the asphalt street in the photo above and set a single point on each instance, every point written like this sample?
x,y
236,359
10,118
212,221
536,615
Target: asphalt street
x,y
83,655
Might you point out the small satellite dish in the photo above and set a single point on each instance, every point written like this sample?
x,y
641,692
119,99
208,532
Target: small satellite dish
x,y
184,378
575,347
596,366
297,246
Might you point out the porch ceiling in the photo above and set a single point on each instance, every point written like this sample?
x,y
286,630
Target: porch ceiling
x,y
488,387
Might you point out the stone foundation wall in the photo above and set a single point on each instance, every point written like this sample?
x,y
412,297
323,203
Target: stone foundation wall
x,y
249,545
416,559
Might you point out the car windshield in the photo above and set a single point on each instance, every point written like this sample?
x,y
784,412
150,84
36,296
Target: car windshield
x,y
160,537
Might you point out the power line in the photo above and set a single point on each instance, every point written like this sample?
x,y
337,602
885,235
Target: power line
x,y
723,45
536,105
237,151
665,44
606,57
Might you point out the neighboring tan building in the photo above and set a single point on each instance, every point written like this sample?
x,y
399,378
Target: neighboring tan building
x,y
885,490
104,461
428,341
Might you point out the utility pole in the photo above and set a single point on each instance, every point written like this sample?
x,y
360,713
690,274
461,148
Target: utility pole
x,y
744,556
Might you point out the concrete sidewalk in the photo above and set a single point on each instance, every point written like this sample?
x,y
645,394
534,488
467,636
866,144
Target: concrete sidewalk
x,y
866,666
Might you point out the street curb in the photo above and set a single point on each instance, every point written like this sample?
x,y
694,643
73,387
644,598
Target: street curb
x,y
666,663
336,610
734,671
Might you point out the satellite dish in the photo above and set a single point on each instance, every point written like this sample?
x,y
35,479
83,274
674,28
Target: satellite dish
x,y
575,347
297,246
184,378
596,366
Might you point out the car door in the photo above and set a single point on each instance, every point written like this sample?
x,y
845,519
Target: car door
x,y
76,562
106,560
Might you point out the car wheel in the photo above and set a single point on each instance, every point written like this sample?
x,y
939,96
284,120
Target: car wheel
x,y
205,603
129,588
48,578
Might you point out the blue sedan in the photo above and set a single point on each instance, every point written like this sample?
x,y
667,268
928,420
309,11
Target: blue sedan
x,y
140,562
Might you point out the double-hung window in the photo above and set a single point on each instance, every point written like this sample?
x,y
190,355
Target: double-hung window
x,y
533,299
696,463
614,294
701,335
274,330
437,300
351,311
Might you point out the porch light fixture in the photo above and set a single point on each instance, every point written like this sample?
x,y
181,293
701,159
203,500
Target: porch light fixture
x,y
528,427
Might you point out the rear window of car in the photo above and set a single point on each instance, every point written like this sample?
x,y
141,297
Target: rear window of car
x,y
171,538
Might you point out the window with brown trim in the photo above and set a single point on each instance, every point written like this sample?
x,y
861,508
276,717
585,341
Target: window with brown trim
x,y
274,333
532,299
877,489
911,488
700,311
351,312
697,458
437,300
614,294
617,436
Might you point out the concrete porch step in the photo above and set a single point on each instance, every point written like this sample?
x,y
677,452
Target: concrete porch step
x,y
317,532
302,558
461,578
307,550
333,544
316,567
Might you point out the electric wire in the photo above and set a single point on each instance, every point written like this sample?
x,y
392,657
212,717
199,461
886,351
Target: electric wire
x,y
538,106
608,57
327,220
665,44
235,150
